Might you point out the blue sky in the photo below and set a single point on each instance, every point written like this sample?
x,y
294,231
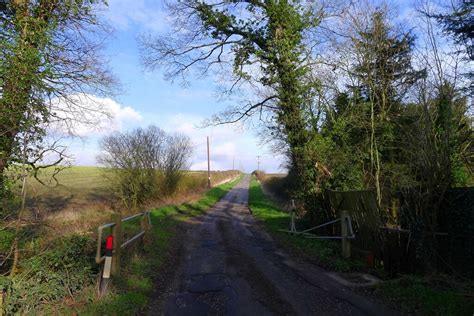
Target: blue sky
x,y
147,98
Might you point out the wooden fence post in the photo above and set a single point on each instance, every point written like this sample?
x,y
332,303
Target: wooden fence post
x,y
293,215
346,245
117,233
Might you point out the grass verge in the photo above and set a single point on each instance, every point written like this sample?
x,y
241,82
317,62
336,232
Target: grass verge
x,y
323,252
134,287
428,296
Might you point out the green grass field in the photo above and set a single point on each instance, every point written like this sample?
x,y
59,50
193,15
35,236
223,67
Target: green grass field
x,y
81,181
76,188
85,184
78,198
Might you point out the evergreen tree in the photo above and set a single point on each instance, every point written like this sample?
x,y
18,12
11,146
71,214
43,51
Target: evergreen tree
x,y
460,24
384,72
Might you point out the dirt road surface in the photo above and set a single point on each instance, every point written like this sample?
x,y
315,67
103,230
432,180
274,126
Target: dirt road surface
x,y
230,266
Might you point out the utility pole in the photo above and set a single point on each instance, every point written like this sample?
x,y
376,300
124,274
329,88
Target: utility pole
x,y
233,160
258,163
208,165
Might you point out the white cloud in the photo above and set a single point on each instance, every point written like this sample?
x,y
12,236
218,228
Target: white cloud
x,y
230,144
126,14
88,115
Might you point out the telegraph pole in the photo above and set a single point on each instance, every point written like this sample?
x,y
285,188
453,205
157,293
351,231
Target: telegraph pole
x,y
258,163
208,165
233,160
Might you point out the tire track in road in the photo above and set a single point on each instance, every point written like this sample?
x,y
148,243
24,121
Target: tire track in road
x,y
241,265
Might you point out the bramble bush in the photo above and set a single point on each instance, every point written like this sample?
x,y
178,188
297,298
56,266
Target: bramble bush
x,y
63,269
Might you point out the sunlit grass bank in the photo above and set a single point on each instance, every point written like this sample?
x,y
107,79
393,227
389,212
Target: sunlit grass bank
x,y
326,253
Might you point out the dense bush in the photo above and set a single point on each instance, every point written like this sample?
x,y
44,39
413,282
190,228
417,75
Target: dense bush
x,y
277,184
195,182
61,270
144,162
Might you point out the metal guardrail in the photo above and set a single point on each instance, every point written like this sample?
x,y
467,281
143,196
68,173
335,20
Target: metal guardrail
x,y
306,233
348,221
99,258
347,232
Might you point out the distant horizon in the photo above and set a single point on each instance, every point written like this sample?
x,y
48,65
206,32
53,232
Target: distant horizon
x,y
194,170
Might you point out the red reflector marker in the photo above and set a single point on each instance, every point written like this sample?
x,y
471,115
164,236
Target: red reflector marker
x,y
109,242
109,245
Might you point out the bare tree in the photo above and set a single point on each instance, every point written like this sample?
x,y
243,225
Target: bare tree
x,y
177,155
438,143
144,162
457,22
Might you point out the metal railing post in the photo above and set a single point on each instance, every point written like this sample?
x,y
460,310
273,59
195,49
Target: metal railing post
x,y
346,245
117,233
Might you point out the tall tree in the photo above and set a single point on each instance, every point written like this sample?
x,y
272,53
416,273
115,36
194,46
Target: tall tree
x,y
49,48
264,42
383,73
443,98
459,23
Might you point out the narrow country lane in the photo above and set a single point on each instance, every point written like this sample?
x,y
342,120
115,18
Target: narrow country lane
x,y
231,267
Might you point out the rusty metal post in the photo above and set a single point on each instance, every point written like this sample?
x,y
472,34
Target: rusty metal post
x,y
346,245
117,233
